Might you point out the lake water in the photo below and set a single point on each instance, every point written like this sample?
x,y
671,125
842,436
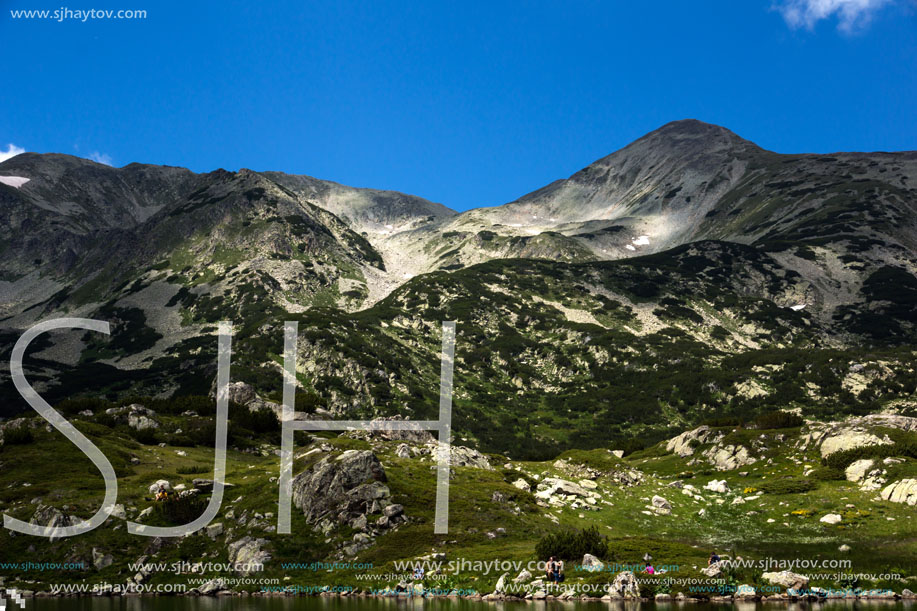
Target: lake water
x,y
312,603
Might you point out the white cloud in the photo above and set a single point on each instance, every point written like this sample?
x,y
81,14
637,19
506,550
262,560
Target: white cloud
x,y
851,14
11,151
100,157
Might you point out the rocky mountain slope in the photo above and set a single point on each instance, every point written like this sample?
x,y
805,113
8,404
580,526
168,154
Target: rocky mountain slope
x,y
690,273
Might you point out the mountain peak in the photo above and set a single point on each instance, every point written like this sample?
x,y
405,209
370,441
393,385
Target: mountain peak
x,y
695,134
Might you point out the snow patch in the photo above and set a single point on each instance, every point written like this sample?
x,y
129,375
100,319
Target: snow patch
x,y
797,307
643,240
14,181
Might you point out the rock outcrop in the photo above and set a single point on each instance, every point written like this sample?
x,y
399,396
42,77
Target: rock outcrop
x,y
135,416
902,491
684,444
346,489
787,579
624,586
248,555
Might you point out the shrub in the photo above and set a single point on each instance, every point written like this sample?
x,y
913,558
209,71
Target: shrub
x,y
180,509
844,458
778,420
18,436
193,470
573,544
629,446
723,421
147,437
788,485
826,474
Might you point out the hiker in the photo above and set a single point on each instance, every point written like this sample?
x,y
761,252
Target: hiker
x,y
162,495
649,570
552,570
713,559
559,571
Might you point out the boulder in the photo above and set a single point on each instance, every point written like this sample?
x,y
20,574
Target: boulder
x,y
715,569
592,563
403,451
717,486
342,488
241,393
51,518
661,505
831,518
154,487
468,457
551,486
211,588
684,444
135,416
858,470
248,556
523,576
392,511
117,511
745,592
501,583
787,579
100,560
847,439
214,530
903,491
624,586
521,484
729,457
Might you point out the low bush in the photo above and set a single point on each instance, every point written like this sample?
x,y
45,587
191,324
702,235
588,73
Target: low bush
x,y
788,485
826,474
180,509
18,436
845,458
777,420
573,544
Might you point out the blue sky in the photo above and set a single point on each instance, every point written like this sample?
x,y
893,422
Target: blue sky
x,y
465,103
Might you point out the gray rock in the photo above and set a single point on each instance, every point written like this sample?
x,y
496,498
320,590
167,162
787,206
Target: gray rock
x,y
684,444
135,416
342,488
101,560
624,586
592,563
154,487
523,576
661,505
903,491
787,579
248,555
393,510
211,588
204,485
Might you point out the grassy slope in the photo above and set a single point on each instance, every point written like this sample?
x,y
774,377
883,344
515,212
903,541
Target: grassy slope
x,y
60,475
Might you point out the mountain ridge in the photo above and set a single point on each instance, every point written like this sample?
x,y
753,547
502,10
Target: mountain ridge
x,y
689,241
